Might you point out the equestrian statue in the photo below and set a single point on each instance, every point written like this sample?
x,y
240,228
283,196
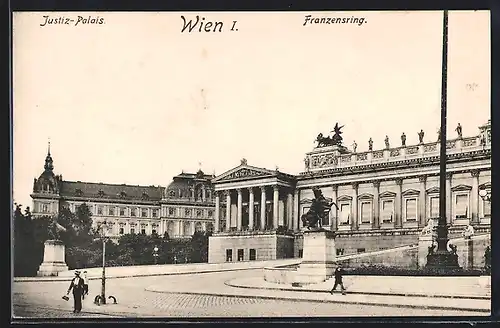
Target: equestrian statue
x,y
319,210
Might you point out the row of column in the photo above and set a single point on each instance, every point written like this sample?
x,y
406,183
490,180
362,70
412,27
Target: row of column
x,y
251,215
398,202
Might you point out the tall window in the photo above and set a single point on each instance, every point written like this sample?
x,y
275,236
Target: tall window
x,y
387,211
366,212
99,210
154,213
411,209
171,211
461,206
111,211
133,212
253,255
122,211
198,213
486,209
144,212
229,255
45,208
187,212
434,204
240,254
345,213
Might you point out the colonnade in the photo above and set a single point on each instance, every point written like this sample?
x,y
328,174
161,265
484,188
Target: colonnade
x,y
263,214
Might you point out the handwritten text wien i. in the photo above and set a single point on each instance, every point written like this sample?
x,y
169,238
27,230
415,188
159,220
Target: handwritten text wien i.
x,y
201,24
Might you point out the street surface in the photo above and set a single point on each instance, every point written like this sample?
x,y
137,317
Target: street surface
x,y
191,295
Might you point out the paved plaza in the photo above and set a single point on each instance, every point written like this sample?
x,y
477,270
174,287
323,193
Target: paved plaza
x,y
212,295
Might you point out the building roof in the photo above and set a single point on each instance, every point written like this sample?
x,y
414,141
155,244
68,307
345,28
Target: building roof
x,y
110,191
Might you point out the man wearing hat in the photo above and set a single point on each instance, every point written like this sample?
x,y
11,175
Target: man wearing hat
x,y
77,286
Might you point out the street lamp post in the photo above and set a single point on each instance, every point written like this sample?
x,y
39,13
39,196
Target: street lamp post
x,y
155,254
442,260
103,231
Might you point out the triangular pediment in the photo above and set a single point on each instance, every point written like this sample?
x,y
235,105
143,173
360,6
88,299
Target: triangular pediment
x,y
244,172
344,198
411,192
461,187
387,194
309,200
433,190
486,185
365,196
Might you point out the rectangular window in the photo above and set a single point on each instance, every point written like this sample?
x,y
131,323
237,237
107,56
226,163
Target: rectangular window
x,y
301,253
144,212
360,250
121,231
143,231
240,254
434,207
340,251
111,211
155,213
187,211
122,211
487,209
461,206
366,212
132,230
45,208
133,212
229,255
198,213
253,255
387,211
99,210
411,210
171,211
345,213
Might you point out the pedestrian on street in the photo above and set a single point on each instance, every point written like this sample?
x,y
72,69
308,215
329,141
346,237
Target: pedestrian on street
x,y
77,287
338,280
85,284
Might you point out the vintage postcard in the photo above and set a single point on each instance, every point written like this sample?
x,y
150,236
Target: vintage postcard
x,y
251,164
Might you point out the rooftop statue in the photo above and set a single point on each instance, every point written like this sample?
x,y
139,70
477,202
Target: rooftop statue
x,y
335,140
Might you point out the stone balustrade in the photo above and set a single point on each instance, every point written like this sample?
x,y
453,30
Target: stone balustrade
x,y
329,157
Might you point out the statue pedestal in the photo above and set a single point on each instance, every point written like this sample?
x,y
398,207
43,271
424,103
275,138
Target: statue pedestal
x,y
318,263
53,259
424,242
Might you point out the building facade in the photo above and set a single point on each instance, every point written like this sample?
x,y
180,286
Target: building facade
x,y
185,206
384,197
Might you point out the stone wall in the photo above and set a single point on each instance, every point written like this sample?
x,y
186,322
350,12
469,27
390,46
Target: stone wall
x,y
267,246
403,257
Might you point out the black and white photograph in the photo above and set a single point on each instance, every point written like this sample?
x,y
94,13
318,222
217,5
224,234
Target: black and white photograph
x,y
183,165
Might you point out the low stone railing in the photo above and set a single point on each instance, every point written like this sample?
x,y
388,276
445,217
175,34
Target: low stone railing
x,y
327,159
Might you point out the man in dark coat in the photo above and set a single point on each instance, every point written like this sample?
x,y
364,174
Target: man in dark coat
x,y
338,280
77,287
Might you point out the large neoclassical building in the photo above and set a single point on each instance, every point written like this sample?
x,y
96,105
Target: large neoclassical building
x,y
384,198
186,205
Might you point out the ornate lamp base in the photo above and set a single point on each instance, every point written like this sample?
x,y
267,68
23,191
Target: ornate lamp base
x,y
442,263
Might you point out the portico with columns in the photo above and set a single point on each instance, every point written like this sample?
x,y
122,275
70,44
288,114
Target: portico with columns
x,y
257,202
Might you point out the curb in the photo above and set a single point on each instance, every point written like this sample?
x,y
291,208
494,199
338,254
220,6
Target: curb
x,y
427,307
52,279
111,315
228,283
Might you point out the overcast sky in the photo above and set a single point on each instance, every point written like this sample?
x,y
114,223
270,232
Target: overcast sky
x,y
136,101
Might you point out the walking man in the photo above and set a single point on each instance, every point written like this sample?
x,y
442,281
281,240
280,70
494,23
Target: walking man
x,y
85,284
338,280
77,287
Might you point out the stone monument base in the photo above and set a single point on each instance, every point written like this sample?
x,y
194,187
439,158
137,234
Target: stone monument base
x,y
319,256
53,259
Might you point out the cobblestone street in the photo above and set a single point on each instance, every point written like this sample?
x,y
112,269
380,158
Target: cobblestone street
x,y
191,295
